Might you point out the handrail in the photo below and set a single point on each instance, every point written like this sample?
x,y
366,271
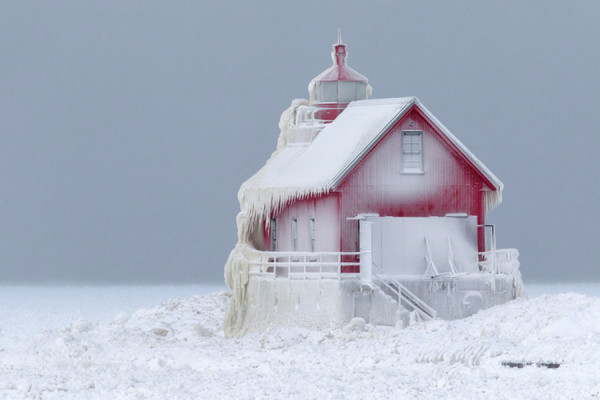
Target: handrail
x,y
419,306
501,261
305,116
492,242
299,264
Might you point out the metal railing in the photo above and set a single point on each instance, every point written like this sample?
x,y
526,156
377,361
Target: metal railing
x,y
403,295
306,116
492,249
304,265
499,261
330,265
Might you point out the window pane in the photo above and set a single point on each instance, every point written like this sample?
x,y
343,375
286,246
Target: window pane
x,y
273,234
329,92
312,234
412,157
361,91
346,91
295,234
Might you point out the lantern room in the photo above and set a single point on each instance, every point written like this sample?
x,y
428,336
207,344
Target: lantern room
x,y
338,85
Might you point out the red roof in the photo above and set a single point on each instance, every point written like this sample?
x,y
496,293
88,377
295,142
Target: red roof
x,y
339,71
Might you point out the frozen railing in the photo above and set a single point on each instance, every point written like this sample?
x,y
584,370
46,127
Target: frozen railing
x,y
499,261
404,296
304,265
306,116
314,116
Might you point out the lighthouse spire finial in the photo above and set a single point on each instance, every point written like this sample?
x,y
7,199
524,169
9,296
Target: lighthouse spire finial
x,y
339,51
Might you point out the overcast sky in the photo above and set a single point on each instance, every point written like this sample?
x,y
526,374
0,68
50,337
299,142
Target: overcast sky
x,y
127,127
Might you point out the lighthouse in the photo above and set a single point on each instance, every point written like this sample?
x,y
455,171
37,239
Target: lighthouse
x,y
368,208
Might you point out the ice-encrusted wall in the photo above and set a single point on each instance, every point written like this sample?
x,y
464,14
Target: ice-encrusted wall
x,y
311,303
462,296
331,303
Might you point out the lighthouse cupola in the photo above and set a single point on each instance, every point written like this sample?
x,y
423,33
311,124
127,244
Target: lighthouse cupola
x,y
339,84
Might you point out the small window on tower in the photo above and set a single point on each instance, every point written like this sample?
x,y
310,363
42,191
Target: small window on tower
x,y
361,91
346,91
328,92
412,152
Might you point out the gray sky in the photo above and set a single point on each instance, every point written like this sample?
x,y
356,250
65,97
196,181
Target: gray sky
x,y
126,127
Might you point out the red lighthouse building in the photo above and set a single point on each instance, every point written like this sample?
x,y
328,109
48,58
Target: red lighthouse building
x,y
373,204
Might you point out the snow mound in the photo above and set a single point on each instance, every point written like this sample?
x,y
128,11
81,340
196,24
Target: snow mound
x,y
178,351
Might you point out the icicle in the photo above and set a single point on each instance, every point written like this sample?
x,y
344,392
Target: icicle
x,y
236,277
257,206
492,198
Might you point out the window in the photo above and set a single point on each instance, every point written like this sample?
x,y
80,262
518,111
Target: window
x,y
312,234
328,91
273,234
412,152
346,91
295,234
361,91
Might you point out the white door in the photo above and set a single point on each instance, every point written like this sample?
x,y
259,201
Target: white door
x,y
406,245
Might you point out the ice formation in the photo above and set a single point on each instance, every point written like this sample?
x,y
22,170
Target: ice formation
x,y
236,277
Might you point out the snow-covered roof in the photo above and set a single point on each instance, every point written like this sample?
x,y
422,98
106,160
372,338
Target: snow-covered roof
x,y
298,171
339,73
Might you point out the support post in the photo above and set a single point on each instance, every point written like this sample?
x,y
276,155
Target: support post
x,y
493,243
366,255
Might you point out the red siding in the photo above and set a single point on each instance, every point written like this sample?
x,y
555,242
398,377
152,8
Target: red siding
x,y
325,210
449,184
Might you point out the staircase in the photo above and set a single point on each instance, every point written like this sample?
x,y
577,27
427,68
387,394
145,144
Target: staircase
x,y
402,295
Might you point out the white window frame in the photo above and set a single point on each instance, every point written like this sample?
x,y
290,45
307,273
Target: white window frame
x,y
313,236
409,152
273,234
294,234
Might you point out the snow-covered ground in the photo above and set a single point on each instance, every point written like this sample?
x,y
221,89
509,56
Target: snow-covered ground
x,y
26,310
89,343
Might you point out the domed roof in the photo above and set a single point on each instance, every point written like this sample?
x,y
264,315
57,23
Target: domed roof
x,y
339,84
339,71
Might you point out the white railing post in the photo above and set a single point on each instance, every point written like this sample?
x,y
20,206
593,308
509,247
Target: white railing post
x,y
366,254
493,248
304,265
300,264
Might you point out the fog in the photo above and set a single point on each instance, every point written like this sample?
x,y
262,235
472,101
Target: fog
x,y
126,128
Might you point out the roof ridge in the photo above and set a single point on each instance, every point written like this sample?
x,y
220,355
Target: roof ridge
x,y
384,101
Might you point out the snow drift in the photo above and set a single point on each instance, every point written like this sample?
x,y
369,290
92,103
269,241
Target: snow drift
x,y
178,351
